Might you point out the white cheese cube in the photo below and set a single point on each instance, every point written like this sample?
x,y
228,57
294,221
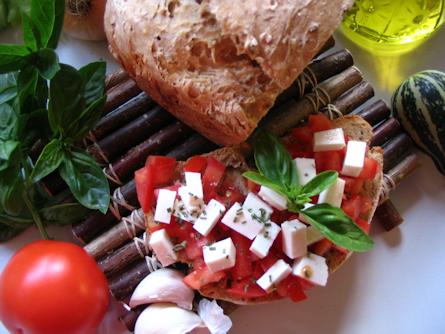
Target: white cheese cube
x,y
220,255
334,194
312,268
301,217
236,219
193,204
181,212
306,170
194,183
255,209
354,159
313,235
263,241
294,238
163,248
273,198
274,275
209,217
164,206
329,140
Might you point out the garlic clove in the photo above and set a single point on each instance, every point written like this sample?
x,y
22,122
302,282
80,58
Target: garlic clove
x,y
163,318
213,316
163,285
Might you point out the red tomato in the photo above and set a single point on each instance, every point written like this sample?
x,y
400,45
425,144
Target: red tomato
x,y
353,186
246,289
328,160
363,225
268,261
51,287
352,206
319,122
212,177
370,169
196,164
321,247
163,169
145,187
304,137
243,265
202,276
291,287
253,187
195,242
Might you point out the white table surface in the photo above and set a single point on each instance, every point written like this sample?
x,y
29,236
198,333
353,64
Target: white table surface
x,y
398,287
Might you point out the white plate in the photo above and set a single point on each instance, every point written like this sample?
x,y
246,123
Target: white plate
x,y
396,288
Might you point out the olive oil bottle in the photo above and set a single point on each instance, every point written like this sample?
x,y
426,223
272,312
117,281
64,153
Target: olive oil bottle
x,y
388,27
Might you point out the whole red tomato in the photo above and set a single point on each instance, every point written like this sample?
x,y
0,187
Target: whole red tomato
x,y
52,287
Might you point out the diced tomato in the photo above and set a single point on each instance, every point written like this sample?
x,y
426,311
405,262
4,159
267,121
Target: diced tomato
x,y
353,186
340,249
203,276
163,169
171,188
196,164
291,287
366,204
145,187
304,138
253,187
212,177
321,247
257,270
195,242
243,266
328,160
229,194
246,289
155,227
319,122
370,169
306,285
278,243
352,206
268,261
178,230
363,225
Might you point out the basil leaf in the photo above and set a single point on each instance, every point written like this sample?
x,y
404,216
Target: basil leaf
x,y
8,232
8,122
47,63
59,13
87,120
66,98
7,149
335,225
319,183
262,180
43,17
32,90
11,189
93,75
31,35
86,180
64,214
8,87
48,161
274,161
35,126
12,57
15,222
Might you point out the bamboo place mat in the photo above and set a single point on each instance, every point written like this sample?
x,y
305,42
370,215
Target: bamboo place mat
x,y
134,126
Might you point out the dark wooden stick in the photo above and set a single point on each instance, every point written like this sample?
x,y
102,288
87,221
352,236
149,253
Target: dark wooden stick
x,y
120,93
115,78
395,150
121,287
354,97
330,43
387,216
194,145
385,131
375,113
129,318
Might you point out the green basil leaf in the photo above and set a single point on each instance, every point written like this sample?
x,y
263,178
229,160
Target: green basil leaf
x,y
59,14
66,100
15,222
48,161
7,149
43,17
263,181
8,122
335,225
87,120
12,57
319,183
86,180
34,126
47,63
32,91
31,34
8,87
64,214
94,77
11,189
274,161
8,232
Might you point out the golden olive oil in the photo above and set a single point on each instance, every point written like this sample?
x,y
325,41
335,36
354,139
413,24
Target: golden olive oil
x,y
393,26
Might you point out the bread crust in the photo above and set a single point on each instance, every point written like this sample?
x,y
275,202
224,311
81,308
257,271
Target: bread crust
x,y
193,59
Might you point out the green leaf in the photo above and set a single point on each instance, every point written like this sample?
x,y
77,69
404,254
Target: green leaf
x,y
86,180
87,120
274,161
11,188
35,127
66,101
12,57
8,87
48,161
47,63
43,17
64,214
7,149
335,225
59,12
8,122
32,90
93,75
31,34
8,232
15,222
264,181
319,183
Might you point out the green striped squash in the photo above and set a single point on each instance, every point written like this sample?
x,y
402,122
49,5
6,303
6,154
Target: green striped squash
x,y
419,105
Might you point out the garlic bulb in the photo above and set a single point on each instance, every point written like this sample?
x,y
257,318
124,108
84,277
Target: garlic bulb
x,y
213,316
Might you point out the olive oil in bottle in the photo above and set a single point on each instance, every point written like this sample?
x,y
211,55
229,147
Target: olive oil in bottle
x,y
388,27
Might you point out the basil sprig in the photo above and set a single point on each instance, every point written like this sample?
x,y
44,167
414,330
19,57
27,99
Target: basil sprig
x,y
278,171
53,105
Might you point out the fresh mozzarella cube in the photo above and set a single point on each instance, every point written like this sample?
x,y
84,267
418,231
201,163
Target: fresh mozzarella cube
x,y
164,206
274,275
181,212
273,198
312,268
192,202
263,241
329,140
255,209
209,217
306,170
294,238
354,159
334,194
163,248
194,184
220,255
236,219
301,217
313,235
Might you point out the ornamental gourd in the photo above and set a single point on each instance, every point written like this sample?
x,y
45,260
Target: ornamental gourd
x,y
419,105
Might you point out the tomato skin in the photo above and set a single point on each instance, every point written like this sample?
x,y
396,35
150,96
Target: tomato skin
x,y
246,289
328,160
144,180
370,169
52,287
196,164
243,265
291,287
352,206
319,122
212,178
321,247
363,224
353,186
163,169
202,275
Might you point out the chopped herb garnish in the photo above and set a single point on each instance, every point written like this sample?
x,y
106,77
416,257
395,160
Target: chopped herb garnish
x,y
212,248
179,247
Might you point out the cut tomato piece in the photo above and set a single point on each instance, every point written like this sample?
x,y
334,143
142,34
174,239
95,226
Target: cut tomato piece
x,y
212,177
163,169
291,287
268,261
370,169
364,225
203,276
196,164
319,122
321,247
243,265
353,186
304,137
195,242
252,186
328,160
145,188
246,289
352,206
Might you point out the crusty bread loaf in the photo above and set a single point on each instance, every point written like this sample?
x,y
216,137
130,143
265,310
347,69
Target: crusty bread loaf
x,y
218,65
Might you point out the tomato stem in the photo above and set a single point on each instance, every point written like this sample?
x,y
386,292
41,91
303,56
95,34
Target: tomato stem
x,y
36,217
